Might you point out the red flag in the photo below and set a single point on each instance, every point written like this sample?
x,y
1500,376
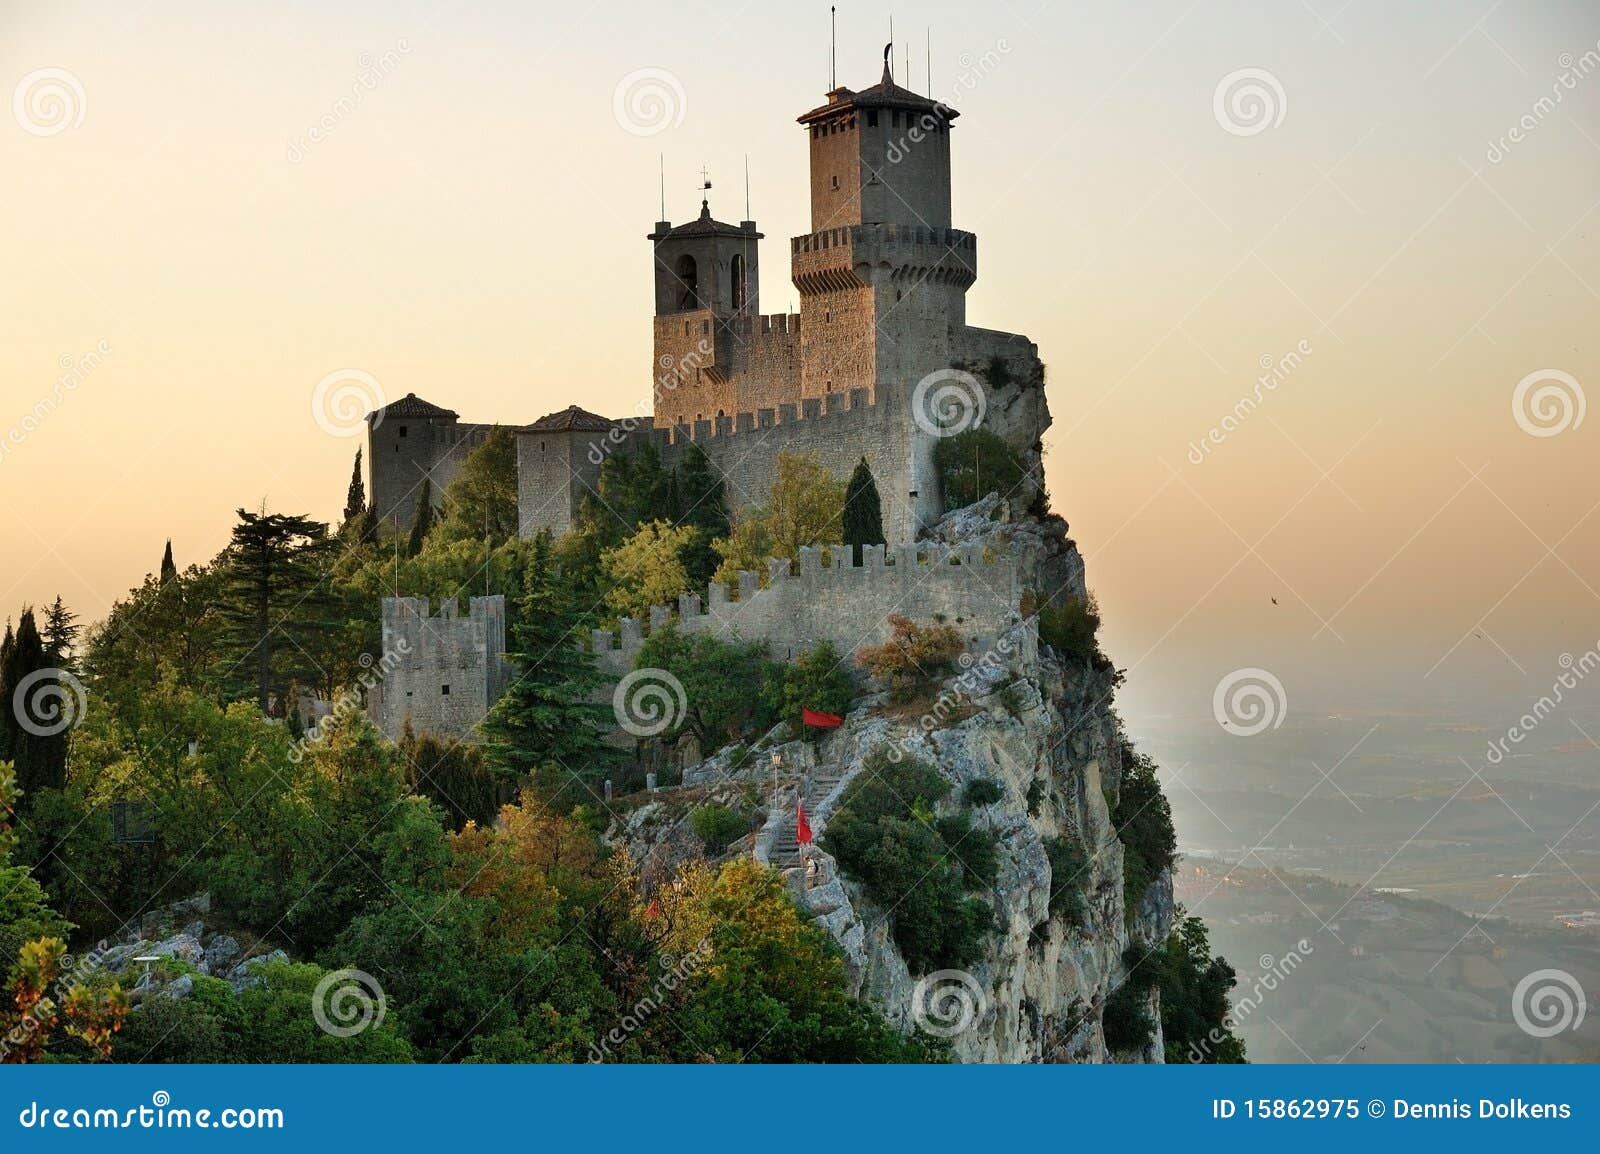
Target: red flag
x,y
819,719
802,827
653,910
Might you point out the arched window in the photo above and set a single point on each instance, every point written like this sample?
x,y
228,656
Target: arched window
x,y
736,269
688,283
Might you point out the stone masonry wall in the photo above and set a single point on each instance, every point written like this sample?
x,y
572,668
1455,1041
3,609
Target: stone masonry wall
x,y
802,605
451,669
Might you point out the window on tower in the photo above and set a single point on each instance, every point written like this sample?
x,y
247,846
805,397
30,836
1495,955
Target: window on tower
x,y
688,275
736,271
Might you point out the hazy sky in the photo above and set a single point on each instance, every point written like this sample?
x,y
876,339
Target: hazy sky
x,y
473,229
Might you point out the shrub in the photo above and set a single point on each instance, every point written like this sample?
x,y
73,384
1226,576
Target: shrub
x,y
818,679
1126,1018
914,659
884,837
1036,791
977,850
975,463
1068,865
1194,998
1143,819
1070,625
983,791
718,826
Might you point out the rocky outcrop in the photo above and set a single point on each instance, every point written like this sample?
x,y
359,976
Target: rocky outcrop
x,y
136,960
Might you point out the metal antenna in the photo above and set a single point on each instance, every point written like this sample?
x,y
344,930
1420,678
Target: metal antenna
x,y
929,76
747,215
663,161
833,47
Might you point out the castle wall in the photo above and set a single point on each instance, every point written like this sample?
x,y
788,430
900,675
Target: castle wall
x,y
810,602
450,669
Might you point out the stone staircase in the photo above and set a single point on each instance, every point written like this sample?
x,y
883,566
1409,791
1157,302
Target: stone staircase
x,y
785,851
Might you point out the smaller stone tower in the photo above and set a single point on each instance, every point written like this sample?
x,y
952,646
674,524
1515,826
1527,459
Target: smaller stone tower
x,y
707,281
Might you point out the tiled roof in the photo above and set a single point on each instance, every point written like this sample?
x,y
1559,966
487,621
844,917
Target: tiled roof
x,y
885,94
412,405
571,419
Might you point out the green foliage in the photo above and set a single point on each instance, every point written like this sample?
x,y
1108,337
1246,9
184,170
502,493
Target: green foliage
x,y
885,837
648,568
547,727
453,776
355,504
1194,998
1035,796
1069,868
1143,819
1126,1018
1071,626
728,685
481,500
805,507
976,463
977,850
863,511
818,679
718,826
28,715
274,592
269,1022
982,791
422,523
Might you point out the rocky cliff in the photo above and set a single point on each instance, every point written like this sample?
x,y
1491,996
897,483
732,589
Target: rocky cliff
x,y
1040,725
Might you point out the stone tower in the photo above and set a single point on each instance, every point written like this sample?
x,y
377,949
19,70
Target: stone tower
x,y
707,282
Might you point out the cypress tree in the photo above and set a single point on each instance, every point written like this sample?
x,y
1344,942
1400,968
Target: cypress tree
x,y
863,512
169,571
547,727
424,521
700,503
36,740
355,498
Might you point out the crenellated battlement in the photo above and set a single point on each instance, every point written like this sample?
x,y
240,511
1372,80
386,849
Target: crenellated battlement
x,y
820,597
444,671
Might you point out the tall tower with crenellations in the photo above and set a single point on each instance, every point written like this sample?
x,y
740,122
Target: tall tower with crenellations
x,y
882,276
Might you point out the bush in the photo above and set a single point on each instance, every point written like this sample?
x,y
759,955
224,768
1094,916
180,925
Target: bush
x,y
914,659
1143,819
1068,865
1194,998
718,826
1070,627
978,850
1036,792
884,836
984,791
819,679
1126,1019
976,463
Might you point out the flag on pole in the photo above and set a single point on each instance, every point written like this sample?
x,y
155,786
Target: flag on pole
x,y
819,719
802,827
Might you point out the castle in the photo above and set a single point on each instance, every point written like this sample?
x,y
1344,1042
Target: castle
x,y
879,363
862,370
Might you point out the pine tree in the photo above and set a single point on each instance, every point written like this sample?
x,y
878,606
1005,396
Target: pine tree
x,y
424,521
355,498
366,530
61,634
169,571
274,591
863,513
547,727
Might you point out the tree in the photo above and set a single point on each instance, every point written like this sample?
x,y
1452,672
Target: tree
x,y
976,463
914,658
39,706
452,775
648,568
274,591
863,513
819,679
424,519
61,634
727,685
481,501
700,504
169,571
805,507
547,726
355,499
